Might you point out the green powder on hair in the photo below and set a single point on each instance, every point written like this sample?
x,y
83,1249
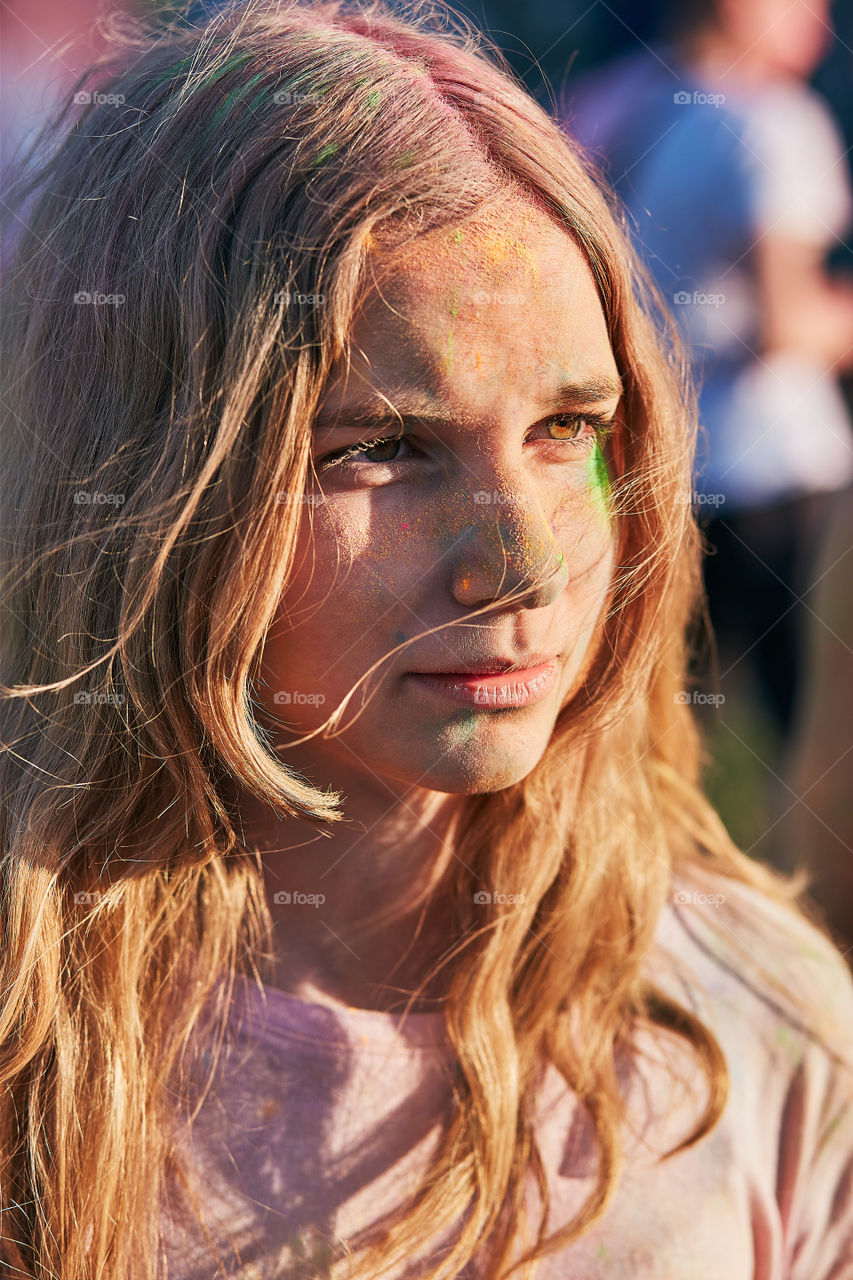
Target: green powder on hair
x,y
324,154
404,159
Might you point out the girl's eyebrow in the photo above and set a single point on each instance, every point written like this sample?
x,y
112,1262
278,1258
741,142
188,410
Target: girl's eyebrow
x,y
377,416
592,390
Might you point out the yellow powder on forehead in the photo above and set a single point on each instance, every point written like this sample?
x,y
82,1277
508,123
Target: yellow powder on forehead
x,y
505,240
487,235
502,251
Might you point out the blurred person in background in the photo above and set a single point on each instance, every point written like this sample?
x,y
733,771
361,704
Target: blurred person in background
x,y
732,171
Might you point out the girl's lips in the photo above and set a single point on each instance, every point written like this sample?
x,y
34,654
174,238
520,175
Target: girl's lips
x,y
502,689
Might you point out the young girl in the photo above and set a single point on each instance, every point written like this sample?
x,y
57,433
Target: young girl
x,y
363,913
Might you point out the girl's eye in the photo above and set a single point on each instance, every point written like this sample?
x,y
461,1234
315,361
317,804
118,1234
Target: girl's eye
x,y
381,450
384,449
582,429
564,426
570,427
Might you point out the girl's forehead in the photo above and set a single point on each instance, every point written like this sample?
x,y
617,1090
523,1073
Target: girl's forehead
x,y
486,342
509,294
514,241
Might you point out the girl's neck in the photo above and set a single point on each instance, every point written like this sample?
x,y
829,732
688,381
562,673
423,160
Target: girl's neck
x,y
360,913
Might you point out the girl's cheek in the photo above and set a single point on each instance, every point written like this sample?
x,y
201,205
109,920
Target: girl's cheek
x,y
582,522
365,546
330,543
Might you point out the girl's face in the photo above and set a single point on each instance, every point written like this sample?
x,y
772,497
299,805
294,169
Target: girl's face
x,y
459,468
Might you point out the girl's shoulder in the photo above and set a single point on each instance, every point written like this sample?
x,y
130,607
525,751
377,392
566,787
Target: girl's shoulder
x,y
778,996
754,967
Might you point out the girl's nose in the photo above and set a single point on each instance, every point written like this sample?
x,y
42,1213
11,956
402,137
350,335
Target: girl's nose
x,y
509,553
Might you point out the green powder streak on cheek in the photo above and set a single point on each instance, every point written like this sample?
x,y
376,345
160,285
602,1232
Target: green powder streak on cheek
x,y
447,358
598,475
462,726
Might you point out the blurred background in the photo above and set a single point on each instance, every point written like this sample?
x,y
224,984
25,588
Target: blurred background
x,y
726,129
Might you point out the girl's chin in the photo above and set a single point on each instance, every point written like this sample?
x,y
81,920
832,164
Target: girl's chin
x,y
483,767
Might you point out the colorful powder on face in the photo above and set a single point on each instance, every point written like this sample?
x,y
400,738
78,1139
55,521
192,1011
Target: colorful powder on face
x,y
447,358
502,253
598,475
468,722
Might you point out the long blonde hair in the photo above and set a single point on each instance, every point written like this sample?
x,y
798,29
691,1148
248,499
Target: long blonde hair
x,y
147,433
